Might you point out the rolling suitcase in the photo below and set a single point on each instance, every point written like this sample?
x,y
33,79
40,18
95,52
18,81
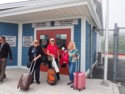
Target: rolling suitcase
x,y
26,78
79,79
51,78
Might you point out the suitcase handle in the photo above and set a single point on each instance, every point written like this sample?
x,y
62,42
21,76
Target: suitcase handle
x,y
78,65
32,67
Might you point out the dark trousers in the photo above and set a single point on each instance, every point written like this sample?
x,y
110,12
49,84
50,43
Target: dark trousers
x,y
50,66
36,71
2,68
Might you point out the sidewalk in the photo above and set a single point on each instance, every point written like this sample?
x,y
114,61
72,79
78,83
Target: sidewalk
x,y
92,85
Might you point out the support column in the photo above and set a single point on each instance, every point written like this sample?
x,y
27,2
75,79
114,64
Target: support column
x,y
20,45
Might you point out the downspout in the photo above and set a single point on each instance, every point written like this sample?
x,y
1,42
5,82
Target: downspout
x,y
90,65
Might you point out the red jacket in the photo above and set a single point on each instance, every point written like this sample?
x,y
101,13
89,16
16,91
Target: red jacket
x,y
64,58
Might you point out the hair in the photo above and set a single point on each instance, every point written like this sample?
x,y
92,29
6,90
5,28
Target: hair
x,y
3,38
74,46
34,42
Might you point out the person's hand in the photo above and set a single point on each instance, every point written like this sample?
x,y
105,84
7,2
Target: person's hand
x,y
10,61
78,57
58,59
34,59
52,55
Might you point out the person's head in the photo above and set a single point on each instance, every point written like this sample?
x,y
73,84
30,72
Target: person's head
x,y
35,43
2,39
71,45
52,41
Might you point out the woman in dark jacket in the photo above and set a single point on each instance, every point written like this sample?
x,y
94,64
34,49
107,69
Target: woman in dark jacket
x,y
35,53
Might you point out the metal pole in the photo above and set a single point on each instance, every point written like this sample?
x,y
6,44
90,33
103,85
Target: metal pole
x,y
115,51
105,82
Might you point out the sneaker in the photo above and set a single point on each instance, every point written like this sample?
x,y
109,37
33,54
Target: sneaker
x,y
69,83
4,77
32,82
38,82
1,81
72,86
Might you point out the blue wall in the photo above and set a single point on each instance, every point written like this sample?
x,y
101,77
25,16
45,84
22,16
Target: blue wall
x,y
77,35
88,39
94,39
10,29
89,44
27,31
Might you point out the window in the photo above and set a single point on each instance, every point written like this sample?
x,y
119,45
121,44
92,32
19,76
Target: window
x,y
61,40
44,41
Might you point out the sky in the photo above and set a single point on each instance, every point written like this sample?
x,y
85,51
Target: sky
x,y
116,11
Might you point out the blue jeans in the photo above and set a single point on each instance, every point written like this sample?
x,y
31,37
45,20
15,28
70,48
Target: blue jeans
x,y
72,69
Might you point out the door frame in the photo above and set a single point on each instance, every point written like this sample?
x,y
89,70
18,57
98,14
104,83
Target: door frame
x,y
56,27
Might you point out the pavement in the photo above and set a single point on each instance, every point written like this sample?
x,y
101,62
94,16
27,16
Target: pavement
x,y
120,77
93,86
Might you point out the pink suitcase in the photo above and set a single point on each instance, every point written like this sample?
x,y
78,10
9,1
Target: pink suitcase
x,y
79,81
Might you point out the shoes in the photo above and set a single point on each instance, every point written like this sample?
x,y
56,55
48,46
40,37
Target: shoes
x,y
1,80
72,86
69,83
38,82
4,76
32,82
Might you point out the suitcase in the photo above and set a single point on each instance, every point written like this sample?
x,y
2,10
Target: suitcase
x,y
79,81
51,78
25,79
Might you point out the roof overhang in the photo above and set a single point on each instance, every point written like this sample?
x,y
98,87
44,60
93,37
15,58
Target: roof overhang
x,y
38,10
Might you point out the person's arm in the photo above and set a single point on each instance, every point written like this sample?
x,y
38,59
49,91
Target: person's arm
x,y
48,52
36,58
10,52
77,54
29,51
39,53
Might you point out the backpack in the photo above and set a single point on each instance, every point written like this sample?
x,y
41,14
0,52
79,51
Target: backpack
x,y
51,78
65,58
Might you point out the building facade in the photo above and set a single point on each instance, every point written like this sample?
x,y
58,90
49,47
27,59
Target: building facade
x,y
67,20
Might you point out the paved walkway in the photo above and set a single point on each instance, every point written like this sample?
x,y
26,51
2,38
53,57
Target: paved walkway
x,y
92,85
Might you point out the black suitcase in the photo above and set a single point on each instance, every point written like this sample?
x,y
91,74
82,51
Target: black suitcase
x,y
25,79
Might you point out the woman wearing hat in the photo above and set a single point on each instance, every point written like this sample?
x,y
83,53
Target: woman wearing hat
x,y
53,51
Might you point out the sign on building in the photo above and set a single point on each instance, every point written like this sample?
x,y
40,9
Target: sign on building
x,y
27,41
11,40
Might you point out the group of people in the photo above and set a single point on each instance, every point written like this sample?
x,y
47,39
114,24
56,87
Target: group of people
x,y
35,54
53,51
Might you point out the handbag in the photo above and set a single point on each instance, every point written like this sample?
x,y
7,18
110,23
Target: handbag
x,y
50,58
54,65
29,64
44,59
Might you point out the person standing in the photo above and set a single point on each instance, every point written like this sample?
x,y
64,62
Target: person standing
x,y
35,53
4,51
73,56
53,51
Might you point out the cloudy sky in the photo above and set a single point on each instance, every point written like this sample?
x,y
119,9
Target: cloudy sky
x,y
117,11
